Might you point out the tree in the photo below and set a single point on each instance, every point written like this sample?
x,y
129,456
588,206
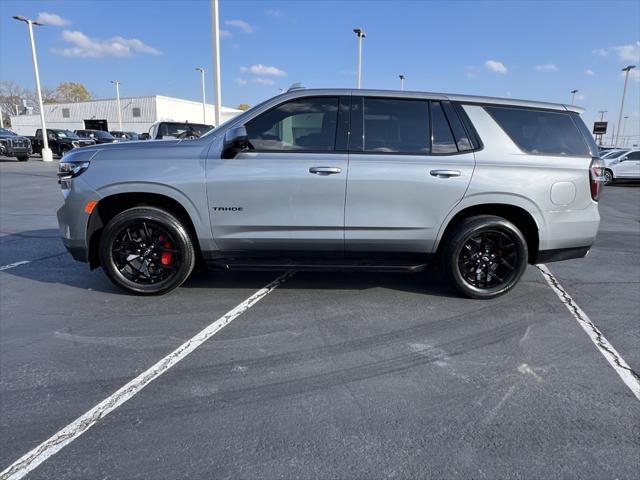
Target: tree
x,y
11,95
72,92
243,106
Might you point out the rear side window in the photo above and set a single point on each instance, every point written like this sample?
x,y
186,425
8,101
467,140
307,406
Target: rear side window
x,y
396,125
541,132
442,140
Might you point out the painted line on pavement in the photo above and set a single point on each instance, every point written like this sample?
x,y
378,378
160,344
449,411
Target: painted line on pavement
x,y
626,373
13,265
68,434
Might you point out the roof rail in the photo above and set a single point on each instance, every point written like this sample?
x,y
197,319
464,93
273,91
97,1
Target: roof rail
x,y
295,86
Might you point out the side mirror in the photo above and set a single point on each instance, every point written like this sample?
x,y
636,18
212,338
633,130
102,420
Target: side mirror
x,y
624,158
51,136
235,141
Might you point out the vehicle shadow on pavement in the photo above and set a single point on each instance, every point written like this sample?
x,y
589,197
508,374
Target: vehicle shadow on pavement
x,y
50,263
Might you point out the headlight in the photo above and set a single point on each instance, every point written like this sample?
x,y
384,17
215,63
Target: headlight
x,y
68,170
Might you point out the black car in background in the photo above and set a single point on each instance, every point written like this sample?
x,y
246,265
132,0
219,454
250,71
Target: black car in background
x,y
181,130
13,145
60,141
125,135
99,136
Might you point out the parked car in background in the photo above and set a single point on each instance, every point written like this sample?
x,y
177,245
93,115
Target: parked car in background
x,y
99,136
125,135
343,179
13,145
60,141
614,153
162,130
144,136
624,166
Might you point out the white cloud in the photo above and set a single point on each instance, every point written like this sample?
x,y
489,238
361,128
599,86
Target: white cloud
x,y
84,46
241,81
273,13
224,33
547,67
496,66
240,24
261,69
626,53
264,81
47,18
589,72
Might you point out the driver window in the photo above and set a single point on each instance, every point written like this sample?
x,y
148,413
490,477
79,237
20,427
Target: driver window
x,y
306,124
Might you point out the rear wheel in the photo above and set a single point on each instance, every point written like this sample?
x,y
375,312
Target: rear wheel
x,y
146,250
485,257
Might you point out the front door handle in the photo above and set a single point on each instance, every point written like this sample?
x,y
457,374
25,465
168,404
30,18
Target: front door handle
x,y
325,170
445,173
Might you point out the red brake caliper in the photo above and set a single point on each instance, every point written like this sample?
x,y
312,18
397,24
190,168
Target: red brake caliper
x,y
166,257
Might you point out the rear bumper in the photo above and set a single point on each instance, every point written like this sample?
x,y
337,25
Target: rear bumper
x,y
559,254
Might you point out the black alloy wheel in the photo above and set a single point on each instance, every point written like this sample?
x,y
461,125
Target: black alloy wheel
x,y
485,256
146,250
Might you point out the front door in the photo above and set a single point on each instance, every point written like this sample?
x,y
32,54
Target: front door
x,y
413,167
629,166
287,192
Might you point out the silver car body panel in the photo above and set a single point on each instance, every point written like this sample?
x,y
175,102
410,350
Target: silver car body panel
x,y
376,202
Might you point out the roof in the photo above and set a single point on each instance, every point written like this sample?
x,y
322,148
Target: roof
x,y
438,96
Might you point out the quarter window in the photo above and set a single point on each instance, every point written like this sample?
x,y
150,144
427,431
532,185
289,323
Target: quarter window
x,y
541,132
306,124
396,125
442,140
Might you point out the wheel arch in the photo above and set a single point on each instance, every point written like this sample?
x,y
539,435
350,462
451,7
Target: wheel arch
x,y
517,215
109,206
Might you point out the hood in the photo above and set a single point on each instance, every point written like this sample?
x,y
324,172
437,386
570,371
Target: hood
x,y
132,145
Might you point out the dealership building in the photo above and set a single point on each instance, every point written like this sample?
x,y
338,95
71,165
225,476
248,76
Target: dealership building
x,y
138,114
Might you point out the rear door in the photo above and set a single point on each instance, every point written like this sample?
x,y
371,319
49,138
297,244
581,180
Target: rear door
x,y
287,192
413,166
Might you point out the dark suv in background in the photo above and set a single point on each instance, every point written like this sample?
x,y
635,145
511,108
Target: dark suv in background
x,y
13,145
99,136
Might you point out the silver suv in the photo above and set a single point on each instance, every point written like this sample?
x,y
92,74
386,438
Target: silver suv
x,y
342,179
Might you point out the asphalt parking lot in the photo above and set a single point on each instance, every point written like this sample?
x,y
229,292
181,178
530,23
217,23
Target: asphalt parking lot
x,y
330,375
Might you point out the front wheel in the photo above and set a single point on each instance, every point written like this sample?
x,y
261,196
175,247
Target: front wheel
x,y
608,177
485,256
23,158
146,250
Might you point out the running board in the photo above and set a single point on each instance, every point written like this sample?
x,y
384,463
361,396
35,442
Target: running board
x,y
377,265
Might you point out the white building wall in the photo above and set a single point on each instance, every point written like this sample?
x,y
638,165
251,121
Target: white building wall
x,y
152,108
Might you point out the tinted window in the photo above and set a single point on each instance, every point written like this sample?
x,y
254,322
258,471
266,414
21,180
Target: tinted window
x,y
65,113
135,112
463,142
633,156
306,124
442,140
588,137
396,125
541,132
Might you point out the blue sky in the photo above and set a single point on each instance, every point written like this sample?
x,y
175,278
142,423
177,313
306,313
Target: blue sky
x,y
533,50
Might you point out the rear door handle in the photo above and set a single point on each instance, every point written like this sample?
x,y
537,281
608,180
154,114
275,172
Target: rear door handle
x,y
445,173
325,170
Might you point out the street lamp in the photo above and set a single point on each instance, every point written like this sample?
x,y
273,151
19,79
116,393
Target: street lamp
x,y
47,156
217,96
624,125
204,104
401,76
360,33
573,96
626,69
117,84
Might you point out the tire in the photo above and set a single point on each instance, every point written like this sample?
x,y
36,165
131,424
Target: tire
x,y
608,177
23,158
466,262
146,251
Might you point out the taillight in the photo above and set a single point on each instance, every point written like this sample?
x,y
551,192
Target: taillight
x,y
596,177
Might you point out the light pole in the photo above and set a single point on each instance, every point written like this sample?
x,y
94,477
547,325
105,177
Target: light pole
x,y
360,33
216,61
117,84
1,120
573,96
47,156
204,103
624,124
626,69
401,76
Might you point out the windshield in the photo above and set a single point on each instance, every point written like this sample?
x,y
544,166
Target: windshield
x,y
102,134
173,130
7,133
64,133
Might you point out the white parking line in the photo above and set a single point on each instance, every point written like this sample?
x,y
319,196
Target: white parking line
x,y
13,265
68,434
627,374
